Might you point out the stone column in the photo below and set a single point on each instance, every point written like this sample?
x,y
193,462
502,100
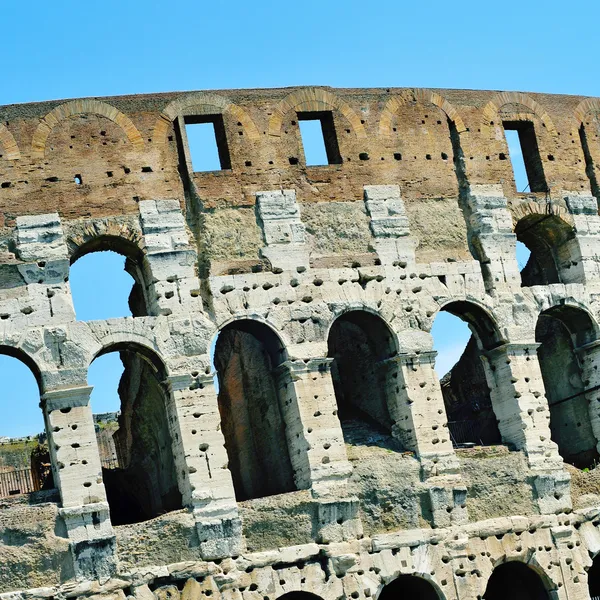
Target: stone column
x,y
581,254
589,359
201,460
78,475
520,405
417,408
316,444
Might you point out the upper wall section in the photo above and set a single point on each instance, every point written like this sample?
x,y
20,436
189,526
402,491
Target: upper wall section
x,y
94,158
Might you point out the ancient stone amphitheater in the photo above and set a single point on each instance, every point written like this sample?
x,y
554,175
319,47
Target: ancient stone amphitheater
x,y
328,461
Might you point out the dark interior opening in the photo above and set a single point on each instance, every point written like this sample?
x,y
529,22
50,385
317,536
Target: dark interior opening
x,y
530,153
142,483
559,331
197,155
247,354
408,587
358,343
594,578
329,135
516,581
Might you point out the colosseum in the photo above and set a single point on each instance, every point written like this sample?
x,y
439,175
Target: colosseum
x,y
283,432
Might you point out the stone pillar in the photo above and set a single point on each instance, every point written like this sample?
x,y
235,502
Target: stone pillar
x,y
520,405
389,224
589,359
581,255
492,237
171,280
417,408
78,475
316,444
283,231
201,460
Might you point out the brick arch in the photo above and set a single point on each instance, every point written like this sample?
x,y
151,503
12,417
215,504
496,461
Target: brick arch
x,y
79,107
420,95
585,107
207,99
8,142
491,109
314,99
525,209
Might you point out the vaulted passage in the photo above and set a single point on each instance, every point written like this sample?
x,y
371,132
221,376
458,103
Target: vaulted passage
x,y
466,387
555,256
515,581
560,331
141,483
359,343
409,587
251,388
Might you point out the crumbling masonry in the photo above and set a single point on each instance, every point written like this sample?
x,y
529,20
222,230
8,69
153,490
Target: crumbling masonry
x,y
323,463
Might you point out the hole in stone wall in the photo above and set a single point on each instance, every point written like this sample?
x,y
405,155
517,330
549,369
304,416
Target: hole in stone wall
x,y
78,180
465,389
525,156
207,143
132,428
515,580
318,138
246,356
359,343
560,330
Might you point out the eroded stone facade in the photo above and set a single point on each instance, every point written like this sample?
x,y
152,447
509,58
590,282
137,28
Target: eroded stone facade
x,y
324,463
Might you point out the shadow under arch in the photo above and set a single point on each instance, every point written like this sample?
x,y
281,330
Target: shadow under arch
x,y
466,387
135,265
360,344
561,331
138,452
517,581
248,359
408,587
554,250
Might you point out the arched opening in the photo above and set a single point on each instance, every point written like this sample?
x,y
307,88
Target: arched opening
x,y
594,579
25,460
409,587
560,331
135,443
299,596
465,386
251,388
517,581
359,342
107,279
553,250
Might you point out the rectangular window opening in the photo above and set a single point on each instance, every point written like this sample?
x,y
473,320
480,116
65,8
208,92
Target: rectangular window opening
x,y
525,156
319,139
207,143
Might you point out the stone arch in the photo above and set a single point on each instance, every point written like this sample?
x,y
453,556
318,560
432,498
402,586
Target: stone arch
x,y
78,107
519,581
249,359
491,109
8,142
466,387
142,481
562,331
208,100
407,586
361,342
420,95
524,209
314,99
585,107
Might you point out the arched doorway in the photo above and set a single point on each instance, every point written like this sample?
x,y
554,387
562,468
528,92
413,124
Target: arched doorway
x,y
554,250
359,343
136,447
466,386
594,579
251,389
107,279
517,581
299,596
560,331
409,587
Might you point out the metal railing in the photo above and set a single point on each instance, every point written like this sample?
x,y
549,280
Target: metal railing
x,y
17,482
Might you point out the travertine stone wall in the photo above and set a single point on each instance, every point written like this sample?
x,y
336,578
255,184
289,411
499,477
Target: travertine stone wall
x,y
419,213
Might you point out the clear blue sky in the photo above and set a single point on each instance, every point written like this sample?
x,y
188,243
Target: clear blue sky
x,y
67,49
